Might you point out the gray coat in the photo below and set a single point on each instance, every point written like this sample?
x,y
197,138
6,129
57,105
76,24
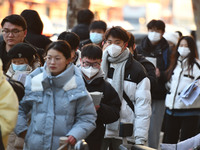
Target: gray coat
x,y
60,106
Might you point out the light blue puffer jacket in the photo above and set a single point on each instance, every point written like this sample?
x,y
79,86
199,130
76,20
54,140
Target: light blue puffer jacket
x,y
60,106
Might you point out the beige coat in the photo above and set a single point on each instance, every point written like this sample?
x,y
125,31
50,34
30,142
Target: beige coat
x,y
8,107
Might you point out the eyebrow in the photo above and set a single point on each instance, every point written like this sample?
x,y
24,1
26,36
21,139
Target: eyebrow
x,y
11,29
115,40
53,56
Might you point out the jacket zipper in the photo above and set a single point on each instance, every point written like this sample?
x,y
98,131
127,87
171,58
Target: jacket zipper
x,y
177,86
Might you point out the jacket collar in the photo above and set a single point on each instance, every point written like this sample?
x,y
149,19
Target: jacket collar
x,y
100,74
183,62
148,47
65,80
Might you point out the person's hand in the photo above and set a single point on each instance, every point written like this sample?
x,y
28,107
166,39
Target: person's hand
x,y
157,72
71,140
97,107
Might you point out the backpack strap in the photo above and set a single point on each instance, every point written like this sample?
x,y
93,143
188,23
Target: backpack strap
x,y
129,102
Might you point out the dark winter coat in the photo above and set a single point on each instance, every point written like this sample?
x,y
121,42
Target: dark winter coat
x,y
82,30
149,67
38,40
108,111
161,52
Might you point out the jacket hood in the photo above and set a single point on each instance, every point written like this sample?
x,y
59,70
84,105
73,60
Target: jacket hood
x,y
33,20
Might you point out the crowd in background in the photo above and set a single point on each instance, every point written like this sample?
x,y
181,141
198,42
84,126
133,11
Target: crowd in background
x,y
91,81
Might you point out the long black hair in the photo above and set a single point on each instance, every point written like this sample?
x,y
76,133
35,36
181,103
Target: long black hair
x,y
191,57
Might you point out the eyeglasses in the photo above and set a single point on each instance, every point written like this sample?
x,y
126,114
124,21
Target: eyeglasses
x,y
14,32
93,65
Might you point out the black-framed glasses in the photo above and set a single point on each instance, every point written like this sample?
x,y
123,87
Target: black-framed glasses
x,y
94,65
14,31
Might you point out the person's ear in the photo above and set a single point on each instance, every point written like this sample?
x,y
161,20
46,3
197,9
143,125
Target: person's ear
x,y
25,33
126,44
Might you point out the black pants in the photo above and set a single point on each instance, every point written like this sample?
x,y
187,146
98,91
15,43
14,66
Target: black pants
x,y
182,128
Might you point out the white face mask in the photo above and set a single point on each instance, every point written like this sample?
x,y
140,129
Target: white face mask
x,y
154,36
114,50
183,51
89,72
96,37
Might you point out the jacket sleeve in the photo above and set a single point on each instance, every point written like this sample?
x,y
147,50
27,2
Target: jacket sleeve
x,y
8,107
24,108
150,73
142,111
85,118
110,106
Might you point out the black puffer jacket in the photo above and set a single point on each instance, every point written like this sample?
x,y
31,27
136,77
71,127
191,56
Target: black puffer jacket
x,y
107,113
161,52
149,67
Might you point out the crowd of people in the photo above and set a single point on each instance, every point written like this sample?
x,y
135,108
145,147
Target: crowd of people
x,y
92,79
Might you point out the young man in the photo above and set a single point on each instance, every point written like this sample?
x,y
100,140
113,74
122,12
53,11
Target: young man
x,y
84,18
73,40
155,48
14,30
128,77
97,30
109,107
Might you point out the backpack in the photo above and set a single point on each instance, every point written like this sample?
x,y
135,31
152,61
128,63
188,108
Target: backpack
x,y
17,86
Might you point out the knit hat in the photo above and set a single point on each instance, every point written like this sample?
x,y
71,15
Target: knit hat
x,y
22,50
172,37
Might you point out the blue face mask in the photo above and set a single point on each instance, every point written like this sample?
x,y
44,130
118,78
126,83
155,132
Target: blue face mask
x,y
22,67
96,37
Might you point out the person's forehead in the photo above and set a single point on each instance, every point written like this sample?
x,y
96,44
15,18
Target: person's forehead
x,y
9,25
183,41
155,29
54,52
90,60
96,30
18,59
111,38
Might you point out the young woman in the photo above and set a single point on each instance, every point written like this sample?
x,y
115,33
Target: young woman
x,y
181,120
59,101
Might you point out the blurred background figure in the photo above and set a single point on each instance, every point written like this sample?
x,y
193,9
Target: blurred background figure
x,y
74,41
84,19
34,29
179,33
8,109
172,39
